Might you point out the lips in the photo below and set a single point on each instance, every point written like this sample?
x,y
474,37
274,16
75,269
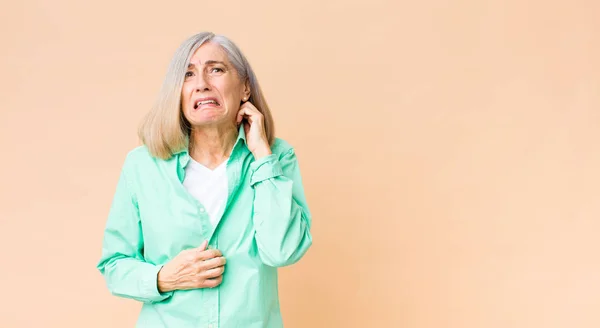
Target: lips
x,y
206,101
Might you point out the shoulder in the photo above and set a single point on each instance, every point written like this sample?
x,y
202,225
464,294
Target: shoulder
x,y
281,147
139,157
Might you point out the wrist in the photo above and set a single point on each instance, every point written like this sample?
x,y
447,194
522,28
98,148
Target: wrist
x,y
165,282
261,152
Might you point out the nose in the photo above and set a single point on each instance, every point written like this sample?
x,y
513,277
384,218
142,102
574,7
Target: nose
x,y
202,83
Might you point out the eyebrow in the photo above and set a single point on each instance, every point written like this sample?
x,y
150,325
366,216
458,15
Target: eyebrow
x,y
209,62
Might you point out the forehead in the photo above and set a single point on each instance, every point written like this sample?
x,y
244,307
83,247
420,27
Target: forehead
x,y
209,51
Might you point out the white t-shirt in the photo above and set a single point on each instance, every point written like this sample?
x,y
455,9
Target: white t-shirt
x,y
208,186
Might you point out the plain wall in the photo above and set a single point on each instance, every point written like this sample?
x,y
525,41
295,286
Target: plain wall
x,y
449,151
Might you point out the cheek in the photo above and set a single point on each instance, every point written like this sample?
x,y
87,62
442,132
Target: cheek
x,y
221,88
185,96
228,87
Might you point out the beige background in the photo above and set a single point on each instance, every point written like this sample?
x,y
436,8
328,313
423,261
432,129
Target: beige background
x,y
449,151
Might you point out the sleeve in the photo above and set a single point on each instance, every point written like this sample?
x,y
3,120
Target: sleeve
x,y
281,216
122,263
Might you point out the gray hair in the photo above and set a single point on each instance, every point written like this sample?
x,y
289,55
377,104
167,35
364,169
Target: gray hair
x,y
165,130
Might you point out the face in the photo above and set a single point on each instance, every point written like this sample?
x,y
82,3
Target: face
x,y
212,90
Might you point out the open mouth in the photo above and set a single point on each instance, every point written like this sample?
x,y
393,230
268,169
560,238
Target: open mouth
x,y
201,102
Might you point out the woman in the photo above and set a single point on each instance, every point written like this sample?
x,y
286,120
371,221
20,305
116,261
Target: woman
x,y
212,203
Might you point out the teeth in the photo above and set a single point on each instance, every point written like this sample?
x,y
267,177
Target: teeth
x,y
205,102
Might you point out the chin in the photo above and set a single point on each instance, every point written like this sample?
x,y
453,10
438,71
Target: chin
x,y
208,120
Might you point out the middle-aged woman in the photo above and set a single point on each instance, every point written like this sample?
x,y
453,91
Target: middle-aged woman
x,y
211,204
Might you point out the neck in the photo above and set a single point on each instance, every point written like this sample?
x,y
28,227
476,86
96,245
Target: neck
x,y
211,145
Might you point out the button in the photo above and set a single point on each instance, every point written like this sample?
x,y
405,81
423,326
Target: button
x,y
211,326
202,210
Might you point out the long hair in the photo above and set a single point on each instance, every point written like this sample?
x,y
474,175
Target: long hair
x,y
165,130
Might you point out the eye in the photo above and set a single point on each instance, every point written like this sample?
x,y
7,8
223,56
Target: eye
x,y
189,74
216,70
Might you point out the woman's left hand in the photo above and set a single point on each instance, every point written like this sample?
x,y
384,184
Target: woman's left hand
x,y
254,126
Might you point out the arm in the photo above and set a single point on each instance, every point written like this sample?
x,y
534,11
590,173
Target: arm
x,y
122,263
281,216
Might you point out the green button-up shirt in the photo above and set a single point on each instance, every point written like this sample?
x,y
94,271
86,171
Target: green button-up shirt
x,y
266,224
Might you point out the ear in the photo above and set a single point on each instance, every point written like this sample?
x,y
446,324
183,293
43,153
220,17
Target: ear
x,y
246,93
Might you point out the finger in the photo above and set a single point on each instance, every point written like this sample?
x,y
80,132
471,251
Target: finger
x,y
243,113
214,263
249,105
214,272
246,114
203,246
240,115
211,283
209,254
251,109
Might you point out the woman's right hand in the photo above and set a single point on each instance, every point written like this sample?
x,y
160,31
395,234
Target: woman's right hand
x,y
191,269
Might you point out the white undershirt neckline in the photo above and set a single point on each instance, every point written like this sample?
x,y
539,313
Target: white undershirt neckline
x,y
209,187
